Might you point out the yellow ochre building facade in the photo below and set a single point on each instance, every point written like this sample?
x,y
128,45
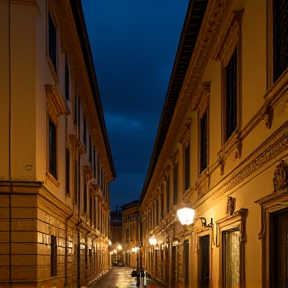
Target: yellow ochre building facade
x,y
222,150
56,162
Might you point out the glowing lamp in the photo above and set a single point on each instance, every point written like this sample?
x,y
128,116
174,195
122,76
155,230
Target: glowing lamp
x,y
186,215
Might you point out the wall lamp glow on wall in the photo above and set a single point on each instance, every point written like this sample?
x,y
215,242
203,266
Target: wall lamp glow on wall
x,y
204,222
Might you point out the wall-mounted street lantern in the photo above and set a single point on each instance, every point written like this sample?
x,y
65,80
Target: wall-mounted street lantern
x,y
186,215
152,241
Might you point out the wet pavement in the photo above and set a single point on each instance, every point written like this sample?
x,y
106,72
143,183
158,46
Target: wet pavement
x,y
120,277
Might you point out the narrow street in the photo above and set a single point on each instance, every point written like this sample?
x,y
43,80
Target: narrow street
x,y
120,277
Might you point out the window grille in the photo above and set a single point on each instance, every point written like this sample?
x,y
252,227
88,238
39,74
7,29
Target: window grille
x,y
280,37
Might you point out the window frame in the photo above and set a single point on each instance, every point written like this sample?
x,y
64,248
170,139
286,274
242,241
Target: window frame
x,y
198,235
229,39
271,203
52,148
270,47
225,136
53,60
235,221
201,105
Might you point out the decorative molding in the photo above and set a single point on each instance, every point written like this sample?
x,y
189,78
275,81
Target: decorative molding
x,y
52,179
237,218
231,204
201,99
257,163
280,179
55,105
75,142
229,36
276,144
202,184
185,135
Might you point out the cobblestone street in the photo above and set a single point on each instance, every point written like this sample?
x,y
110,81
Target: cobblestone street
x,y
120,277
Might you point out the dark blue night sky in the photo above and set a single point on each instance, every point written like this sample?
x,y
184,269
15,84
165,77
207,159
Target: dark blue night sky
x,y
134,44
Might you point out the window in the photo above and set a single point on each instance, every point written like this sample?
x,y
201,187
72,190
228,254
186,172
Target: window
x,y
187,165
90,150
52,41
162,203
53,256
280,39
204,261
231,258
228,51
85,194
278,249
91,212
75,109
67,174
231,239
67,84
203,142
186,262
175,183
75,182
231,95
52,149
55,108
168,193
84,130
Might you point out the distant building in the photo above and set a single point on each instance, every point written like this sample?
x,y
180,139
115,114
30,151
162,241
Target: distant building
x,y
131,234
222,149
116,225
56,162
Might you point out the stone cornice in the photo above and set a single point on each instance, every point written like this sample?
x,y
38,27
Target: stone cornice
x,y
215,13
71,44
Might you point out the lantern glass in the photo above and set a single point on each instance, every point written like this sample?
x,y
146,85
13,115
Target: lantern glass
x,y
186,215
153,241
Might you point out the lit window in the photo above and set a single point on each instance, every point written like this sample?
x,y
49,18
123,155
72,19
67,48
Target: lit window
x,y
231,258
